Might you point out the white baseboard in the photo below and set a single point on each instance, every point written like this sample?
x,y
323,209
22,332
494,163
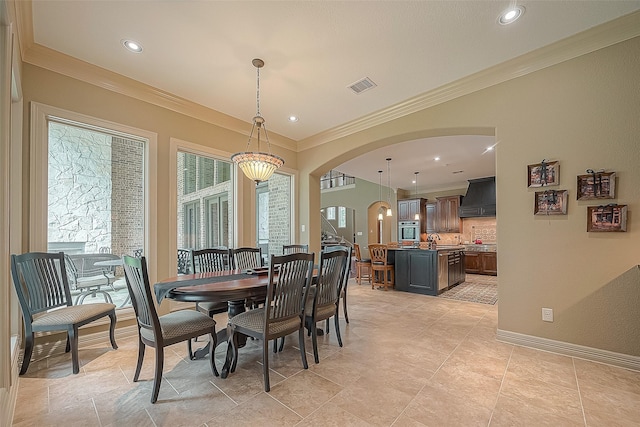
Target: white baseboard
x,y
574,350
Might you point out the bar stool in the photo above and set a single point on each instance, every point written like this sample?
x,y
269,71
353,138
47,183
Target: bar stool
x,y
380,267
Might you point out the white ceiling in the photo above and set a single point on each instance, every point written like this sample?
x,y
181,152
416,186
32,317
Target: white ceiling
x,y
313,50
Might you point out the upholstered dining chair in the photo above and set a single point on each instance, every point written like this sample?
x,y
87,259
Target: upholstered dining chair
x,y
206,260
383,272
323,304
283,311
43,290
294,249
161,331
363,265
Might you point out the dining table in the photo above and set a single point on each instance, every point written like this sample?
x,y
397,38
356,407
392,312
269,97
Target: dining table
x,y
230,286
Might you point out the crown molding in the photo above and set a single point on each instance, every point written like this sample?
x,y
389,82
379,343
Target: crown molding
x,y
607,34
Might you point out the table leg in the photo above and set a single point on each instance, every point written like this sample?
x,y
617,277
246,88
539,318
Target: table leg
x,y
235,307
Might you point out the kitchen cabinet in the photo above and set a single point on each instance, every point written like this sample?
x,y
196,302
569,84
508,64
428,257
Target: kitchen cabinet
x,y
447,218
430,221
481,263
407,209
416,271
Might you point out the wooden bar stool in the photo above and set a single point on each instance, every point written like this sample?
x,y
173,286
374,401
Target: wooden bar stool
x,y
363,266
380,267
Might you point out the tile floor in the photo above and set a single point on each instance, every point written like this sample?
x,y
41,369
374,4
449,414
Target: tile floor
x,y
408,360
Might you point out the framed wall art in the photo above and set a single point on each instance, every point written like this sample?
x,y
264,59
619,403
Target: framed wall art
x,y
607,218
596,185
543,174
551,202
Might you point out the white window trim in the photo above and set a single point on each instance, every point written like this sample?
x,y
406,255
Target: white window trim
x,y
38,195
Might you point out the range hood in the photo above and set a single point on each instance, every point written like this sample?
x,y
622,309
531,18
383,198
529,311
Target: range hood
x,y
480,200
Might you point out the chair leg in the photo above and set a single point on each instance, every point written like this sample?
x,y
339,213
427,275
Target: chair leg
x,y
141,348
344,306
265,364
112,330
281,343
314,340
212,352
337,328
73,339
28,351
190,350
157,376
302,350
233,340
67,348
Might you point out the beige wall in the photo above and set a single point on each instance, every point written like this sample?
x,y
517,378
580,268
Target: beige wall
x,y
583,113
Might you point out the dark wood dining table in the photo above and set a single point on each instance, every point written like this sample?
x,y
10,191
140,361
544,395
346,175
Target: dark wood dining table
x,y
230,286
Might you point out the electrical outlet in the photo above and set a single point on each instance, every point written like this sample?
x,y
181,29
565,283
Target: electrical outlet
x,y
547,314
304,228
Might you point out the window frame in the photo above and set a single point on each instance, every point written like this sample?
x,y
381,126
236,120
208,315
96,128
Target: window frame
x,y
41,114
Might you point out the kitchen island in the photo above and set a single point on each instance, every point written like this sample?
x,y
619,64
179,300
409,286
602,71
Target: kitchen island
x,y
427,271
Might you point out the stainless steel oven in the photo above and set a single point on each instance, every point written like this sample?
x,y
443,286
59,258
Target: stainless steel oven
x,y
409,230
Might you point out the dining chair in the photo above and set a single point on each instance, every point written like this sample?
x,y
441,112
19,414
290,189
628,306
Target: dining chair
x,y
283,311
161,331
363,266
345,279
383,272
324,296
43,290
294,249
207,260
245,258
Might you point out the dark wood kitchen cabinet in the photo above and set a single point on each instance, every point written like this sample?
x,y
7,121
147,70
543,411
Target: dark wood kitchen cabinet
x,y
430,213
447,218
407,209
481,263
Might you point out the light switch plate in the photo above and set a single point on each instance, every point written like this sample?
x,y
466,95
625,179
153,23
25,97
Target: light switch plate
x,y
547,314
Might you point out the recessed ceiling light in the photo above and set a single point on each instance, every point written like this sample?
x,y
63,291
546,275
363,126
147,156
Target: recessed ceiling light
x,y
489,148
293,119
132,46
511,15
437,159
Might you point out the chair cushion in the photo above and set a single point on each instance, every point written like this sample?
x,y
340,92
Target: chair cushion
x,y
254,320
322,312
181,323
70,315
213,306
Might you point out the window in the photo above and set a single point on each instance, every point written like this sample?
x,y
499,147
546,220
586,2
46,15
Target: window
x,y
204,190
342,217
95,198
331,213
273,216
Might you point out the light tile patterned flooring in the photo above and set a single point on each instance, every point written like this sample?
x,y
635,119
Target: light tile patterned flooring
x,y
408,360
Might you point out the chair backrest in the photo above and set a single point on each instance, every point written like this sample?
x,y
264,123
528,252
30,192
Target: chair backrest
x,y
245,258
86,264
295,249
41,282
184,257
356,251
332,270
137,278
378,254
211,259
289,279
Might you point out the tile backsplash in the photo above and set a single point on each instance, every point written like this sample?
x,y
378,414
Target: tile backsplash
x,y
479,228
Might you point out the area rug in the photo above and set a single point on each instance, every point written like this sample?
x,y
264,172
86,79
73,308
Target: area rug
x,y
482,291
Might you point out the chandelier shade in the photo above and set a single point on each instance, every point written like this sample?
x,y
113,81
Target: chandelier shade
x,y
389,212
417,215
258,166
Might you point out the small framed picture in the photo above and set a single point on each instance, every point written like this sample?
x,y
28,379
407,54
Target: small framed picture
x,y
607,218
551,202
597,185
543,174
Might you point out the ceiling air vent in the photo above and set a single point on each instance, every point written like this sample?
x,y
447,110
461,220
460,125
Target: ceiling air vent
x,y
362,85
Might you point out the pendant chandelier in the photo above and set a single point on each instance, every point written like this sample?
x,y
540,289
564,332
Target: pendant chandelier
x,y
389,212
256,165
417,215
380,217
